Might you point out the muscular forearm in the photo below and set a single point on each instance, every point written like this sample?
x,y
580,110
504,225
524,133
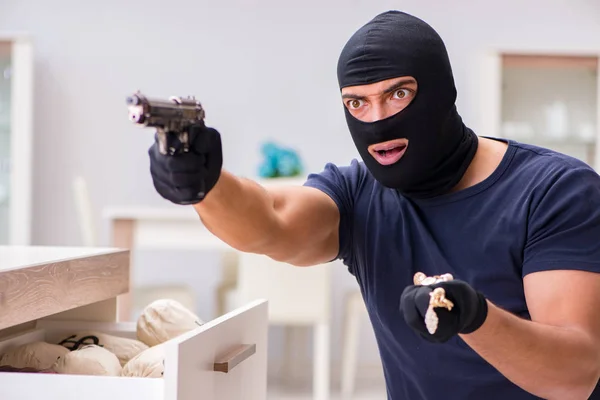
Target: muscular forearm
x,y
548,361
241,213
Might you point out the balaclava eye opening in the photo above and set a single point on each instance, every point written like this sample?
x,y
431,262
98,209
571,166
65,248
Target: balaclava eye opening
x,y
440,147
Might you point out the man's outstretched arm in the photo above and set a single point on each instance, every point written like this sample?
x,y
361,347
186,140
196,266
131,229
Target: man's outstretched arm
x,y
296,224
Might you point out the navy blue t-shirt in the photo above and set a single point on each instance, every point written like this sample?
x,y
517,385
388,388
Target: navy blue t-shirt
x,y
539,210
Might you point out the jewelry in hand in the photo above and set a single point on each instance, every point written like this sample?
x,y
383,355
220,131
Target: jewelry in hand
x,y
437,298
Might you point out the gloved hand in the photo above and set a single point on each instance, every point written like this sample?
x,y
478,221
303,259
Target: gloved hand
x,y
187,177
467,315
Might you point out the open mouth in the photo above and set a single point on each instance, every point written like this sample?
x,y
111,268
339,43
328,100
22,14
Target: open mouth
x,y
390,152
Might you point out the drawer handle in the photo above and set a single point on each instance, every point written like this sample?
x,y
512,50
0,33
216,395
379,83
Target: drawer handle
x,y
235,356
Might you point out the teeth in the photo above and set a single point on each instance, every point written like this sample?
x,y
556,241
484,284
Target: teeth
x,y
383,152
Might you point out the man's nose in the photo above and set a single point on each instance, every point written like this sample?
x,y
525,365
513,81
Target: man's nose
x,y
379,112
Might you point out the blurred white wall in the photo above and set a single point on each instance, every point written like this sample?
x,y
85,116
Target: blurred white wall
x,y
263,69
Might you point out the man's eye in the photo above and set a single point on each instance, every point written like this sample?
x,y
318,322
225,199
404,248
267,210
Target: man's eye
x,y
354,103
402,93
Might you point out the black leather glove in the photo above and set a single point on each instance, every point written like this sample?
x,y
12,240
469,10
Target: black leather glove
x,y
187,177
467,315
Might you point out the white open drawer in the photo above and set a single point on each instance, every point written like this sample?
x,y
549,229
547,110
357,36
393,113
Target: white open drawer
x,y
235,342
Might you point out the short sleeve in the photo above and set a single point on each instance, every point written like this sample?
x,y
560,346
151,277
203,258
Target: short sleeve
x,y
564,224
340,183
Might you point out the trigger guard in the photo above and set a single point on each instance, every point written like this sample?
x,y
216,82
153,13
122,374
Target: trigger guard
x,y
176,143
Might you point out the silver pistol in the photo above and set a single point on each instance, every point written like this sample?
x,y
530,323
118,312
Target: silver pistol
x,y
173,116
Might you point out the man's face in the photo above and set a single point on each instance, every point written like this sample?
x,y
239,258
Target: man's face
x,y
377,101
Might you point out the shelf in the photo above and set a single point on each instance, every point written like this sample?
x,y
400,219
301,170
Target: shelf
x,y
556,95
16,136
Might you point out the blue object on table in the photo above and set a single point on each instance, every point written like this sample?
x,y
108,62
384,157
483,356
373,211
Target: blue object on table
x,y
279,162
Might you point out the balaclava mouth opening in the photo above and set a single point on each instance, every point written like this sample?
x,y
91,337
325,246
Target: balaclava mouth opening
x,y
440,147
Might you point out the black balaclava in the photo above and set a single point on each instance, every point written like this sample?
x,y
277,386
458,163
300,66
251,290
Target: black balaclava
x,y
440,146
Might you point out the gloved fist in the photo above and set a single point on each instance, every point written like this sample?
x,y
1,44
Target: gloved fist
x,y
187,177
467,314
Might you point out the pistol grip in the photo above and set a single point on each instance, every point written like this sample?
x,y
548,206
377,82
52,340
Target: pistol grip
x,y
172,143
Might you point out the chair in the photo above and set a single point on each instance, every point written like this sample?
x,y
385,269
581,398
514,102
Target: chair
x,y
83,205
298,296
226,289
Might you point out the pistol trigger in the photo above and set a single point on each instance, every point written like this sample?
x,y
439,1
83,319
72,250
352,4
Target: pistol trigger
x,y
185,140
162,141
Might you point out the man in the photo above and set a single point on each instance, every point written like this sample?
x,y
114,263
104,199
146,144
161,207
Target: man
x,y
517,226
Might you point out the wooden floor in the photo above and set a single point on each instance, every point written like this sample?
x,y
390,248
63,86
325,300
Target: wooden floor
x,y
287,392
359,395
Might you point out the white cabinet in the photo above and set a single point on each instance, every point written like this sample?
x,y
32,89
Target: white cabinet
x,y
546,99
16,120
52,291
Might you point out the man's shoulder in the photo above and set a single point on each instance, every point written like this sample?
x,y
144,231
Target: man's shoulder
x,y
351,177
544,157
355,168
545,166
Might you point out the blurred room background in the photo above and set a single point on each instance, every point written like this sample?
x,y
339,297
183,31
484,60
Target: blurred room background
x,y
71,163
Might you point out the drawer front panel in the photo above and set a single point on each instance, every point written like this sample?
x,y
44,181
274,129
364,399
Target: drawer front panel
x,y
236,343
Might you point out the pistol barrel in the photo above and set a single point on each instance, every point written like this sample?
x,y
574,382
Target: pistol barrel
x,y
172,114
